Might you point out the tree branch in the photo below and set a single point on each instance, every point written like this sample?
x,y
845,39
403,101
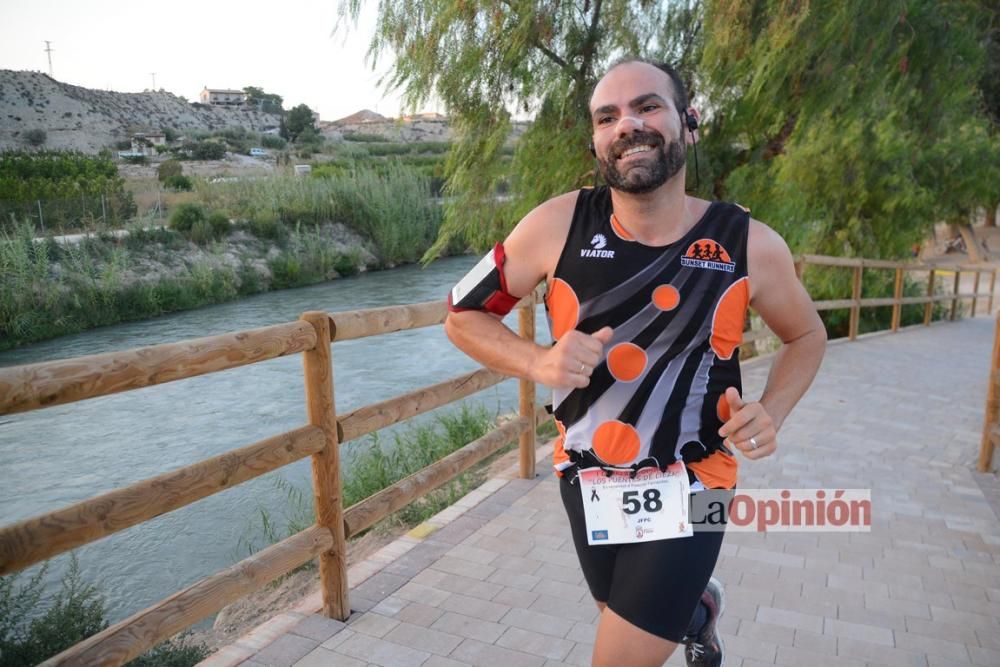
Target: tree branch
x,y
590,44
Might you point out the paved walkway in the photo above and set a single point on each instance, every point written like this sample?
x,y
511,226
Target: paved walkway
x,y
494,581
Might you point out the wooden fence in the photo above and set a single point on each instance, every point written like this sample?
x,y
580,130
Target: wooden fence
x,y
41,537
35,386
991,420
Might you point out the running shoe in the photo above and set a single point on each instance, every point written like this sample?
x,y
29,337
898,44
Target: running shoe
x,y
705,649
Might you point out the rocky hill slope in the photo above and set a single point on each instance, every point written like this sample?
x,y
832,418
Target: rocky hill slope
x,y
83,119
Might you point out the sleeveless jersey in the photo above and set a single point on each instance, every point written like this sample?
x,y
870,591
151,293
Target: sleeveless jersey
x,y
677,312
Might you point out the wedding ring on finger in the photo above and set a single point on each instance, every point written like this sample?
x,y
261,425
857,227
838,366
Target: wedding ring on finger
x,y
753,443
583,369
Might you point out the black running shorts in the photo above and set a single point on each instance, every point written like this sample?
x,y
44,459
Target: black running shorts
x,y
652,585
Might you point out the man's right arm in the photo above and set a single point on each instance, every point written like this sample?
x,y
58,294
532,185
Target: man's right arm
x,y
532,250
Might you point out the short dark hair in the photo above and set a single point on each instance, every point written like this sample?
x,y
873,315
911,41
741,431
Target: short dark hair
x,y
680,93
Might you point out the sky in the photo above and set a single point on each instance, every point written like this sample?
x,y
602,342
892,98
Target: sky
x,y
284,46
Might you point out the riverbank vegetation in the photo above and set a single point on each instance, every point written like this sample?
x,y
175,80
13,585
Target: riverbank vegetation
x,y
33,630
231,240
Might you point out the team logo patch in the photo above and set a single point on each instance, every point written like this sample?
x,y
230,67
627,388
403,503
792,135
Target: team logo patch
x,y
708,254
598,243
596,535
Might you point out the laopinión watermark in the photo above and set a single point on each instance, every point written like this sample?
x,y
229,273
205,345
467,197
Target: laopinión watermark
x,y
782,510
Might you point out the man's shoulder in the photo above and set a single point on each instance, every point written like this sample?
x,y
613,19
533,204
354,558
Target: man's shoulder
x,y
551,214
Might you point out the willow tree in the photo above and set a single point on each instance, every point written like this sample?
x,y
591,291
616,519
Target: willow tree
x,y
853,126
488,61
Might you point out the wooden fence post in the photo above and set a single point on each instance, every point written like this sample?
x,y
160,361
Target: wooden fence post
x,y
929,308
993,284
975,291
327,489
992,404
526,393
897,307
954,301
856,308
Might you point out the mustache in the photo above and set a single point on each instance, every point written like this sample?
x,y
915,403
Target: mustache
x,y
635,139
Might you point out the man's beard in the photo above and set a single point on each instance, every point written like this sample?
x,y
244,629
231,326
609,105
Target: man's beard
x,y
643,178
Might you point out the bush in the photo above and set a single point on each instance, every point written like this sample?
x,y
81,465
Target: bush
x,y
362,136
77,612
136,159
179,182
206,150
170,134
219,222
272,141
186,216
168,169
124,145
35,137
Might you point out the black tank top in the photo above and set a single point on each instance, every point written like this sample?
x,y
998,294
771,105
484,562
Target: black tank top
x,y
677,312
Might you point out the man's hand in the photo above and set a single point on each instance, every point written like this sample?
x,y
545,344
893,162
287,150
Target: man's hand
x,y
746,421
569,363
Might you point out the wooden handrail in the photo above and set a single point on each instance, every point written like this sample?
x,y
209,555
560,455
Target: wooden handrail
x,y
992,411
35,539
371,418
51,383
138,633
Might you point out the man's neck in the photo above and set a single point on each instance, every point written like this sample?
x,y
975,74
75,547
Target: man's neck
x,y
654,218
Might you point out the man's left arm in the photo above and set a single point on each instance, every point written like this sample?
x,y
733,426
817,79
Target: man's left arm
x,y
785,306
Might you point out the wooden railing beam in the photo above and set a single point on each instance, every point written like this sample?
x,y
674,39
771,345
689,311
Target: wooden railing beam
x,y
36,539
138,633
51,383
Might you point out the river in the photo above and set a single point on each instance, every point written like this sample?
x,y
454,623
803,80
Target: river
x,y
56,456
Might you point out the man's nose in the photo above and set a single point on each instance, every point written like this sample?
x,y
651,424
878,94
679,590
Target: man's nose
x,y
628,124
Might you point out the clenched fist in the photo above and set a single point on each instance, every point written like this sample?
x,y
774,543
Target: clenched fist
x,y
569,363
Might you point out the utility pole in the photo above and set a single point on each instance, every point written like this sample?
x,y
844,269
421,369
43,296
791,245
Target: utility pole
x,y
153,74
48,51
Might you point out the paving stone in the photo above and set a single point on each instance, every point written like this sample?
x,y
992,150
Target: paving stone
x,y
418,614
488,655
285,651
373,624
321,657
536,621
318,628
789,619
484,609
535,643
423,639
381,652
469,627
379,586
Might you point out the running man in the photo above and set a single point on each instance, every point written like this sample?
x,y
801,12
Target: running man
x,y
647,295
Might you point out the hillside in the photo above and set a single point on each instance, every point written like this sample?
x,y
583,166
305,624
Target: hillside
x,y
82,119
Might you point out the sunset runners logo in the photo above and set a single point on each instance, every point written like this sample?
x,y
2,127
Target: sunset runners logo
x,y
708,254
782,510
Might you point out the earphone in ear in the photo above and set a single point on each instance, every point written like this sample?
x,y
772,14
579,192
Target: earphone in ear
x,y
690,121
590,147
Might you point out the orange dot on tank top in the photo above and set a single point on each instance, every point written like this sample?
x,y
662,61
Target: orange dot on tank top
x,y
616,442
666,297
626,361
564,307
722,409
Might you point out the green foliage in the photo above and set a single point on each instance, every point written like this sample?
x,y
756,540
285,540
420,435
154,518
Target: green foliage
x,y
169,168
299,119
364,137
851,130
70,186
185,216
485,59
35,137
179,182
135,159
205,150
371,466
272,141
266,102
391,206
170,134
29,636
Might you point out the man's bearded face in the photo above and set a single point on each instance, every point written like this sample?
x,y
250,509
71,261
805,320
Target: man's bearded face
x,y
649,164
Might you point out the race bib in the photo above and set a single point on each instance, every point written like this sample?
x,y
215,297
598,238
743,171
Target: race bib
x,y
620,509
